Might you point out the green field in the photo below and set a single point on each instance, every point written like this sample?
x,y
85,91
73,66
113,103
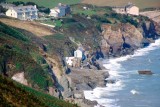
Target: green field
x,y
48,3
140,3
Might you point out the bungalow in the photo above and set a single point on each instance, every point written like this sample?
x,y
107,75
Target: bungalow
x,y
23,12
69,60
76,59
128,9
60,11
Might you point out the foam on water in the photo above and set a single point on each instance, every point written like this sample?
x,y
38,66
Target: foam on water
x,y
115,70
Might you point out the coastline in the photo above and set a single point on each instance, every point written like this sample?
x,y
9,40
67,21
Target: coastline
x,y
116,62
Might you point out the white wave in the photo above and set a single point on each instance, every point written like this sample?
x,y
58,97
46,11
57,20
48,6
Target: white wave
x,y
115,67
134,92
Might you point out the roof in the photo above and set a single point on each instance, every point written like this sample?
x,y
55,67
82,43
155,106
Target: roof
x,y
24,8
7,5
129,6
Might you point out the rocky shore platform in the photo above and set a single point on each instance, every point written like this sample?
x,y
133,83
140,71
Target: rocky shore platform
x,y
85,79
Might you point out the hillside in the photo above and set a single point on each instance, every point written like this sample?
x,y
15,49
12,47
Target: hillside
x,y
20,58
18,54
140,3
17,95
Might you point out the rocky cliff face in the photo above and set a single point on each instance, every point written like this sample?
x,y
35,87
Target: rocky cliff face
x,y
122,39
119,37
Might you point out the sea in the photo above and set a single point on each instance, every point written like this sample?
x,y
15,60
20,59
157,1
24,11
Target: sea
x,y
130,88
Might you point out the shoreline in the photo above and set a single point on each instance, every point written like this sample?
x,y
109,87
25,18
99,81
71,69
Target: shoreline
x,y
139,52
86,79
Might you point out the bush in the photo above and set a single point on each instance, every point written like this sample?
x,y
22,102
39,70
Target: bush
x,y
12,32
2,10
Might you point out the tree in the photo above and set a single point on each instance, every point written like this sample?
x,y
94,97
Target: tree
x,y
3,65
2,10
1,1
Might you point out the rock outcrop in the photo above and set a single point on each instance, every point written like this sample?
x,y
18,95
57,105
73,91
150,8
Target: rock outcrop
x,y
145,72
19,77
122,39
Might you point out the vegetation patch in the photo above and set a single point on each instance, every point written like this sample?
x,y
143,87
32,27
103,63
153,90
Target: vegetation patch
x,y
15,94
19,56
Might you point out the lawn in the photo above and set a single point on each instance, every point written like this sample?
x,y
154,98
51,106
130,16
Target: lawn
x,y
140,3
85,12
48,3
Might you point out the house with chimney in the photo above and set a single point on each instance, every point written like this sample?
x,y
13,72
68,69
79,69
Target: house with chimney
x,y
128,9
23,12
60,11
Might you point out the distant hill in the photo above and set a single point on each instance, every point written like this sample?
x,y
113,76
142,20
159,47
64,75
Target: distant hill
x,y
140,3
48,3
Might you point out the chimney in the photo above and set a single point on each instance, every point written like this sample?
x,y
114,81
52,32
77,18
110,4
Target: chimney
x,y
35,6
59,4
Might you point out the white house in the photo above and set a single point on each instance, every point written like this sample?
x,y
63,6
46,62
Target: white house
x,y
60,10
128,9
132,9
76,59
23,12
78,53
69,60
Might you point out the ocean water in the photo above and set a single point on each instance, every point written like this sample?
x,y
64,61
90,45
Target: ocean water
x,y
131,89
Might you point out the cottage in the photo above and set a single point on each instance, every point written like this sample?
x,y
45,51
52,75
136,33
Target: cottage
x,y
128,9
132,9
23,12
60,11
78,54
69,60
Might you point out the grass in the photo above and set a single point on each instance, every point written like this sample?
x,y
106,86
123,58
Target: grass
x,y
140,3
85,12
13,94
48,3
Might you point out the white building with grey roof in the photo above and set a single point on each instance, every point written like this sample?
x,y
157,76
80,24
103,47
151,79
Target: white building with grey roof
x,y
60,11
128,9
23,12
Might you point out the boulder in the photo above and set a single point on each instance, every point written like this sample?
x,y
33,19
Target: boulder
x,y
145,72
110,81
78,95
118,37
91,103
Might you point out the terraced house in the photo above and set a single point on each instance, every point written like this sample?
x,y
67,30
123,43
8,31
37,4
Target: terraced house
x,y
23,12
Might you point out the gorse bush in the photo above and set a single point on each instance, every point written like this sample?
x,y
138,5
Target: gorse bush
x,y
12,32
14,94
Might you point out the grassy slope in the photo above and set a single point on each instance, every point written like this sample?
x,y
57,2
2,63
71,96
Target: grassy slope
x,y
140,3
48,3
15,94
21,55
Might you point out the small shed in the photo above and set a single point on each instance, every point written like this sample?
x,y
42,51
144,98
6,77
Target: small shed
x,y
78,53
